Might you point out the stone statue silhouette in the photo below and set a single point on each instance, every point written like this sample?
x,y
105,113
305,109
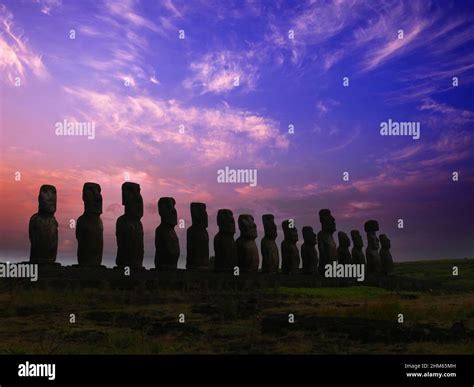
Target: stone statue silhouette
x,y
290,256
197,239
385,254
372,252
224,245
327,246
166,240
247,251
89,227
358,244
43,228
343,253
129,228
309,254
268,246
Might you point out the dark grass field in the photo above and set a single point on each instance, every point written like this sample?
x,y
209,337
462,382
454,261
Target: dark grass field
x,y
327,320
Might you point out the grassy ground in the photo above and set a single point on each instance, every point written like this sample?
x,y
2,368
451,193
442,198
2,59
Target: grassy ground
x,y
111,321
441,271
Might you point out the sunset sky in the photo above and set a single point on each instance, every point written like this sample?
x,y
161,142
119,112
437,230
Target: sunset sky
x,y
281,82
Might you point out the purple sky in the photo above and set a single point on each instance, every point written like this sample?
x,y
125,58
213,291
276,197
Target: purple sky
x,y
244,72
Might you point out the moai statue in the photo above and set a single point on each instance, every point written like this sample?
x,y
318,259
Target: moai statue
x,y
372,251
129,228
343,253
197,239
327,246
385,255
166,240
247,251
43,228
89,227
357,252
224,245
290,256
309,254
268,246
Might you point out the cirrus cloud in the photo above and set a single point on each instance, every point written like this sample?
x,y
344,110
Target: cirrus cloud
x,y
17,59
210,134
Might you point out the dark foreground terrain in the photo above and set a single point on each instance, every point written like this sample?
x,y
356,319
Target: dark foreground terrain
x,y
76,312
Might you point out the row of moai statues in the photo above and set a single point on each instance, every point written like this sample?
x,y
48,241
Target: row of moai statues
x,y
229,253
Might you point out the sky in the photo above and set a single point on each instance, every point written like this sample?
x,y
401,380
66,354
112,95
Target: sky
x,y
297,90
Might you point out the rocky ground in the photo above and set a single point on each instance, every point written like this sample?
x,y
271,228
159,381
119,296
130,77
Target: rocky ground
x,y
205,313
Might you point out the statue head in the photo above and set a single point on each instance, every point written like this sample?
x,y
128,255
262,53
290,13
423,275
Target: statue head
x,y
225,221
247,226
132,199
199,214
92,197
289,230
357,239
309,236
269,226
371,226
47,199
167,211
328,223
385,242
344,240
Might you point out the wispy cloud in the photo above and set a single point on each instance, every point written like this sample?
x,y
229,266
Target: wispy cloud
x,y
127,57
332,31
48,5
393,47
17,59
210,134
325,105
360,209
451,144
449,113
125,11
258,193
223,71
337,139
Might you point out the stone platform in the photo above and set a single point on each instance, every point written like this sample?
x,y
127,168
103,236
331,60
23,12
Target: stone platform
x,y
74,276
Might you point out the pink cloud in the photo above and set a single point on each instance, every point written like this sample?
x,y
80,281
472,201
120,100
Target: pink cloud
x,y
228,131
393,47
447,158
258,192
360,209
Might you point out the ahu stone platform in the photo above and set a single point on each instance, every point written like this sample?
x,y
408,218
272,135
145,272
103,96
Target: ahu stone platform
x,y
57,276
